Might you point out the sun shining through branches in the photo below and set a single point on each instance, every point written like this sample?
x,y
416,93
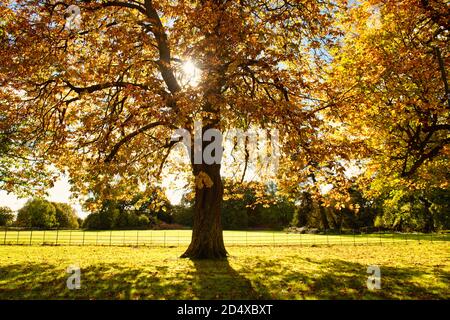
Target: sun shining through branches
x,y
190,74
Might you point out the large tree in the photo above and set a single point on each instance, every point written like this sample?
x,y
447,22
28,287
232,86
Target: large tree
x,y
102,100
391,74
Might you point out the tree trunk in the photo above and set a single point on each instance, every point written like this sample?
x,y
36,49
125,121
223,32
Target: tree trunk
x,y
207,238
323,216
429,221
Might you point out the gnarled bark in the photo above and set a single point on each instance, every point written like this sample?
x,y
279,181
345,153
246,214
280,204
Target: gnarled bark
x,y
207,239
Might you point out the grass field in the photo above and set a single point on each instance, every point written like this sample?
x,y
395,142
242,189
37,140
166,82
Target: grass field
x,y
408,271
167,238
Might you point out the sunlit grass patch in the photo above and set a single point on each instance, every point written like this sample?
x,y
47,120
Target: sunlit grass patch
x,y
412,271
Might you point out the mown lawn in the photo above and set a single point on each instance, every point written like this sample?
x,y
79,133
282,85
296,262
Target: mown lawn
x,y
408,271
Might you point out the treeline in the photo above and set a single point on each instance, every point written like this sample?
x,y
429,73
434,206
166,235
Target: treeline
x,y
137,213
395,210
43,214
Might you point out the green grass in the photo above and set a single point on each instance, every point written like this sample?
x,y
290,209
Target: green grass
x,y
408,271
182,238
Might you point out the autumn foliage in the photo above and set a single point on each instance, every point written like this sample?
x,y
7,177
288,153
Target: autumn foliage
x,y
358,92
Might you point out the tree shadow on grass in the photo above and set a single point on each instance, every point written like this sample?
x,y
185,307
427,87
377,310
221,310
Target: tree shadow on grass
x,y
204,280
255,278
218,280
46,281
340,279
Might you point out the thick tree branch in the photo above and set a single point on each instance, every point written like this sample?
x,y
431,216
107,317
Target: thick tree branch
x,y
425,156
128,4
163,47
130,136
102,86
443,74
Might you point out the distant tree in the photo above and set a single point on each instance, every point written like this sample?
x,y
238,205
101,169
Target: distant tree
x,y
303,210
107,216
6,216
277,215
439,208
37,213
249,205
140,212
143,221
418,210
80,222
91,222
357,212
122,220
234,214
183,214
133,221
65,216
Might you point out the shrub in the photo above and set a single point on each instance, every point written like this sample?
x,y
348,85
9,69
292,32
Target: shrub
x,y
6,216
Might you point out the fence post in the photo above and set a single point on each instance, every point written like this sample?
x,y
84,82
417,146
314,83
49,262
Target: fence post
x,y
31,236
43,241
70,237
354,238
137,238
6,230
57,236
84,232
110,235
381,243
326,233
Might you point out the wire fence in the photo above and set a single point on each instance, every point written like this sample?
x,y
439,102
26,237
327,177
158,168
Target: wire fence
x,y
175,238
